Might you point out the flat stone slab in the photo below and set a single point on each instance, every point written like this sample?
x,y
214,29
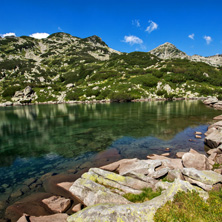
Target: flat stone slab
x,y
205,176
133,212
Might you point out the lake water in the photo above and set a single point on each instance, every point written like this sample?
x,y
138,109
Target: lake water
x,y
38,139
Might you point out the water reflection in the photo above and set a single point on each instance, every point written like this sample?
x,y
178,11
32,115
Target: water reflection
x,y
71,130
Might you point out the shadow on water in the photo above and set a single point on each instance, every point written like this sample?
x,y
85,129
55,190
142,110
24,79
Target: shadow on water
x,y
37,139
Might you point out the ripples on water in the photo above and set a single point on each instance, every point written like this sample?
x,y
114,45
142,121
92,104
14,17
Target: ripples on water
x,y
35,140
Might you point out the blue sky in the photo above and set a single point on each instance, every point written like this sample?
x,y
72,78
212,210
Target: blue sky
x,y
195,27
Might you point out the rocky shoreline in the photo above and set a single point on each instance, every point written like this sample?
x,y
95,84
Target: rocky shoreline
x,y
97,194
9,103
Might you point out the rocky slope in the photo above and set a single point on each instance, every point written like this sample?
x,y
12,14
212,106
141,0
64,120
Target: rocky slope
x,y
170,51
64,68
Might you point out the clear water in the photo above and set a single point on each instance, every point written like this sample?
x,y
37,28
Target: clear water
x,y
38,139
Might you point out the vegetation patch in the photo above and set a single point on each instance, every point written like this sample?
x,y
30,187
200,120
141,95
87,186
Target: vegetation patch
x,y
147,194
190,207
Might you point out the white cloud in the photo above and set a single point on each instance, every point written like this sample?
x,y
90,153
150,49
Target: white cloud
x,y
153,26
136,22
191,36
131,39
60,29
208,39
8,34
39,35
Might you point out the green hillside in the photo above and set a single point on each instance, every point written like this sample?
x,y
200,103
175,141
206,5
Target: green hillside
x,y
62,68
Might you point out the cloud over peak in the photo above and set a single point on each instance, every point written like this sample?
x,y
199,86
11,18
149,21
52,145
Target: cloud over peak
x,y
208,39
153,26
131,39
191,36
38,35
8,34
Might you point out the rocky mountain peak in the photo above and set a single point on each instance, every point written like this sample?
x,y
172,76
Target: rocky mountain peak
x,y
168,51
96,40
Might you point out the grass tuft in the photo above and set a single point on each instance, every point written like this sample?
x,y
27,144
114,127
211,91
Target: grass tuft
x,y
190,207
146,195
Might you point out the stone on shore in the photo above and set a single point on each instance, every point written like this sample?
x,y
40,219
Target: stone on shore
x,y
196,160
91,193
207,177
180,154
218,117
57,204
31,205
132,212
210,101
214,139
50,218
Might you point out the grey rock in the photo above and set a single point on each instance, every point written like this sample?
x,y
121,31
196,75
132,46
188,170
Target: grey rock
x,y
214,139
116,187
197,161
175,174
207,177
159,173
210,100
200,184
126,181
27,91
132,212
162,185
90,193
8,103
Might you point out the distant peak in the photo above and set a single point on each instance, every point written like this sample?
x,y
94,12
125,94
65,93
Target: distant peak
x,y
168,51
95,39
168,44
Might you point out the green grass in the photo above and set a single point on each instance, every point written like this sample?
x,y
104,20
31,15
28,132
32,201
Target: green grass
x,y
147,194
190,207
216,166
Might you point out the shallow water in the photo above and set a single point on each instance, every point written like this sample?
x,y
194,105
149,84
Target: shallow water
x,y
38,139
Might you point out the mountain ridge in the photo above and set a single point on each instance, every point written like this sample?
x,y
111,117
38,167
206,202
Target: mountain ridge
x,y
170,51
63,67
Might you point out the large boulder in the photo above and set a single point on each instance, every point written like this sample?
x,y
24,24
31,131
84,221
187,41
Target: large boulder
x,y
218,105
214,139
90,193
205,176
210,101
132,212
196,160
27,91
31,205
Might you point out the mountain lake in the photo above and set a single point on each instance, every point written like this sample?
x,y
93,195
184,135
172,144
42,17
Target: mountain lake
x,y
41,140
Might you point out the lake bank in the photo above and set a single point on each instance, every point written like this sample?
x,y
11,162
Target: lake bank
x,y
9,103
